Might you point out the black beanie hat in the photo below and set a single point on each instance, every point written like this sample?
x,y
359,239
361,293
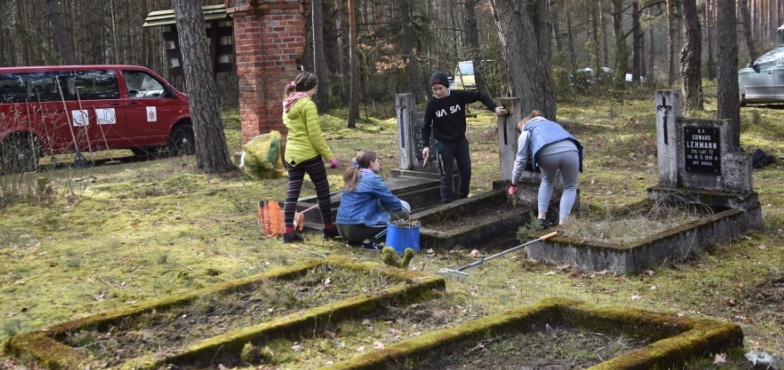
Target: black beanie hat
x,y
440,78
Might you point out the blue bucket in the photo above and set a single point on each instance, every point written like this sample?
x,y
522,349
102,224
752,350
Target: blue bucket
x,y
401,237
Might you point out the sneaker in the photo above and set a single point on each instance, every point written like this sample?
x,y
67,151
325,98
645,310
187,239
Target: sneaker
x,y
331,233
291,238
371,245
545,224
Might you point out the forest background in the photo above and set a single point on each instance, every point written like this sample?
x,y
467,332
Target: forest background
x,y
400,42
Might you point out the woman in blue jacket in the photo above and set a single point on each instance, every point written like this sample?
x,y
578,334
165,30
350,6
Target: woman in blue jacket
x,y
367,203
552,150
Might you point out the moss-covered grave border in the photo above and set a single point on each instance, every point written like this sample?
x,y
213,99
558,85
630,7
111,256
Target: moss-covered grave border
x,y
47,349
675,243
673,339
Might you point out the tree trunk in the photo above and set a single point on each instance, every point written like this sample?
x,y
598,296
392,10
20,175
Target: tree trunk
x,y
710,20
61,38
651,52
603,33
212,154
728,96
621,50
596,58
690,57
409,47
10,27
345,59
743,6
637,43
353,105
522,30
672,35
569,35
472,38
319,64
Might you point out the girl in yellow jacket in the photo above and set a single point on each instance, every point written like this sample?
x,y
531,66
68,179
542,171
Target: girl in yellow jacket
x,y
306,151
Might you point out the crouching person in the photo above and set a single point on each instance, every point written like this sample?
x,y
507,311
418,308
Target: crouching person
x,y
367,203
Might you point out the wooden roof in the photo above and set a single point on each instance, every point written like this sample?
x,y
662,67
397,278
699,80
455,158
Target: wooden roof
x,y
166,17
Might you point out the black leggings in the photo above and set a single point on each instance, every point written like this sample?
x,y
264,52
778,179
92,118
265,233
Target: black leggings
x,y
454,150
358,233
318,174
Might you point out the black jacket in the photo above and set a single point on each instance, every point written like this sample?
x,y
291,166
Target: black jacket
x,y
447,116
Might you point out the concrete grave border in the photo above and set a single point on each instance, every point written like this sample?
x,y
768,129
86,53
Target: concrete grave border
x,y
42,346
675,339
673,244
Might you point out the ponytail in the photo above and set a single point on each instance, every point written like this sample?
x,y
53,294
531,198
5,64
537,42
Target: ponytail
x,y
362,160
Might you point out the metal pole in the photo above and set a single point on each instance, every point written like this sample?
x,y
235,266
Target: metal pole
x,y
460,270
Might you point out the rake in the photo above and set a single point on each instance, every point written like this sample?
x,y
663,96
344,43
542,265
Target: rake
x,y
461,270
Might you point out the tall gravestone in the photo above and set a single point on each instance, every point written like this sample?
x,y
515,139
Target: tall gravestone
x,y
409,141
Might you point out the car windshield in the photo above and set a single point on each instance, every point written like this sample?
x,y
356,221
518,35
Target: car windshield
x,y
772,56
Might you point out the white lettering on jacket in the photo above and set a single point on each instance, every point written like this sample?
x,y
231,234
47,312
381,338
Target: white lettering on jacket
x,y
453,109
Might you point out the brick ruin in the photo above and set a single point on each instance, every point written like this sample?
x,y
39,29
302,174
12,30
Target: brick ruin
x,y
269,40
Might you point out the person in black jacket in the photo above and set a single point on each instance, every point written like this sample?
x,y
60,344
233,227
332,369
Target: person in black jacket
x,y
445,114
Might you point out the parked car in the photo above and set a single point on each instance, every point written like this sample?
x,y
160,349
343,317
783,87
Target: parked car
x,y
762,81
585,78
463,78
60,109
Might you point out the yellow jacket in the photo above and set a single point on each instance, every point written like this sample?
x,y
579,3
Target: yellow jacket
x,y
304,140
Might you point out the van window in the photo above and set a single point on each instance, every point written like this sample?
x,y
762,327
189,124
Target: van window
x,y
12,88
93,85
142,85
43,86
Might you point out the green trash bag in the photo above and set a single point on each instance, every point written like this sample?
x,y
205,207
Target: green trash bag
x,y
261,157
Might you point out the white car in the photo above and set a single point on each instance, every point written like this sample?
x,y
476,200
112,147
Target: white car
x,y
763,80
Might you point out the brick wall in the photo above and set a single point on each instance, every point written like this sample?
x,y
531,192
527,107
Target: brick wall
x,y
269,36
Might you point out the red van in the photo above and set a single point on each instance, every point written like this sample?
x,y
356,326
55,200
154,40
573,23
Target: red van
x,y
78,109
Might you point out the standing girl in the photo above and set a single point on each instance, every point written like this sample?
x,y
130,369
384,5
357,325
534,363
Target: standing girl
x,y
306,151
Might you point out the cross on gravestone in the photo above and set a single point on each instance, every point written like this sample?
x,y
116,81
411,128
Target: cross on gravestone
x,y
402,106
668,106
664,108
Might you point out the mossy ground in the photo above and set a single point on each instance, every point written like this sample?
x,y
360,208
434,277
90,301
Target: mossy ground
x,y
108,236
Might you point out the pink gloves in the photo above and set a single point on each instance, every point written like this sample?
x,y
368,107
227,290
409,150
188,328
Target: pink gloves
x,y
512,189
333,163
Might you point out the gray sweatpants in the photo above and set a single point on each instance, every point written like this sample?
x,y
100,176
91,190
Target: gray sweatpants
x,y
569,165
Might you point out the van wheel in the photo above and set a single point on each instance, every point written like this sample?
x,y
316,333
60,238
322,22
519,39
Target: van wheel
x,y
20,153
182,140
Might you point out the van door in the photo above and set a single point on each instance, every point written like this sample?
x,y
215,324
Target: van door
x,y
96,94
150,113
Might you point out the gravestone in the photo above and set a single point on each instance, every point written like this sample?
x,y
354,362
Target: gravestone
x,y
697,159
698,166
409,126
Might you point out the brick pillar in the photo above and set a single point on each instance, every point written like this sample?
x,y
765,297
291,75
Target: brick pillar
x,y
269,35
